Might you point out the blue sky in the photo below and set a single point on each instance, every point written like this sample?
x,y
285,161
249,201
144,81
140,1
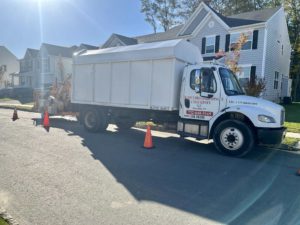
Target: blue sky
x,y
27,23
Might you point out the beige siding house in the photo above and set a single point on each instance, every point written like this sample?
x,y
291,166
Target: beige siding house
x,y
9,65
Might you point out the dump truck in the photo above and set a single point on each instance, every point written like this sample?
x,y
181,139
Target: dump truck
x,y
167,82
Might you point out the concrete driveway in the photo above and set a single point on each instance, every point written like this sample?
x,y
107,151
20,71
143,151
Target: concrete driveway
x,y
69,176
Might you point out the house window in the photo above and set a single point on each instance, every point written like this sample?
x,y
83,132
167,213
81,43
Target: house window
x,y
29,81
22,80
3,68
235,37
45,65
210,44
28,65
244,75
276,80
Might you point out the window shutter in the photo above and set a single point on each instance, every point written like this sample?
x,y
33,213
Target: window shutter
x,y
227,43
203,45
255,39
252,74
217,44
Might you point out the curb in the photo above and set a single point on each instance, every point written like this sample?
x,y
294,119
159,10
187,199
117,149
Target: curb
x,y
12,107
8,218
288,148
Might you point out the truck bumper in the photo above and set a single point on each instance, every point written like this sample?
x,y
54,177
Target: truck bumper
x,y
271,136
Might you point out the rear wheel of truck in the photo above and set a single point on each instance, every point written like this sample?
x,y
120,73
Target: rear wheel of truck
x,y
94,120
233,138
124,124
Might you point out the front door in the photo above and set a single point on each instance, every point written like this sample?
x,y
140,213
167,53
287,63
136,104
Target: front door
x,y
200,98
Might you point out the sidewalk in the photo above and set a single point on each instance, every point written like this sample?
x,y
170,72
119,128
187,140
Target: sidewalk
x,y
293,135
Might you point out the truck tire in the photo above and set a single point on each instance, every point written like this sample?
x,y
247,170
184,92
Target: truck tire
x,y
233,138
124,124
94,120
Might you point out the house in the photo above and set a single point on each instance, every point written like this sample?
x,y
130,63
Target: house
x,y
29,68
266,53
9,64
41,67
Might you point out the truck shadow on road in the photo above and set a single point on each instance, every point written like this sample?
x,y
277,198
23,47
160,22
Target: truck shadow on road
x,y
259,189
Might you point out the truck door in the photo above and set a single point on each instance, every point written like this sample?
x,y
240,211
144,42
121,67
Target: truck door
x,y
201,95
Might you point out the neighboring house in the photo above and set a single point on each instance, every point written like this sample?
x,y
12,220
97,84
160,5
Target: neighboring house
x,y
40,68
266,54
29,68
8,65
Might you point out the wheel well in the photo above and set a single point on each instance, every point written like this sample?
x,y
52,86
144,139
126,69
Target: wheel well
x,y
233,116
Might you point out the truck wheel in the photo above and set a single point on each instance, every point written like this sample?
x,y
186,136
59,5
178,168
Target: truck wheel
x,y
234,138
125,124
94,120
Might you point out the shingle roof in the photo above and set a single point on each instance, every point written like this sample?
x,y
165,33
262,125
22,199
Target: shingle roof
x,y
88,47
33,52
168,35
258,15
59,50
242,19
126,40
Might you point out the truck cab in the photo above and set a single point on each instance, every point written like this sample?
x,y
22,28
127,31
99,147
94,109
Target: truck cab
x,y
214,106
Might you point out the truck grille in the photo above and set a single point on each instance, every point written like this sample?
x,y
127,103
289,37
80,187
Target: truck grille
x,y
282,117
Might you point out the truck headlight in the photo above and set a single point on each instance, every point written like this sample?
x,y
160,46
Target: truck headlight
x,y
266,119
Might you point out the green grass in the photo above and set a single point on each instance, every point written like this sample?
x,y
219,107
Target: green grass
x,y
292,127
3,222
19,107
290,141
5,99
292,117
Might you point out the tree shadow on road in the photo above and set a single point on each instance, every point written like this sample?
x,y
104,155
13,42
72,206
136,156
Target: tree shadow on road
x,y
259,189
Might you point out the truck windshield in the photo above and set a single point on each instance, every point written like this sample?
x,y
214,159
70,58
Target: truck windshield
x,y
230,83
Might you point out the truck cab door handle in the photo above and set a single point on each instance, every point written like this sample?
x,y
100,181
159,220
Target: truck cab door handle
x,y
187,103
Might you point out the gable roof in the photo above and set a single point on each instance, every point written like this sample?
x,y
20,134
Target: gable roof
x,y
33,52
88,47
233,21
126,40
247,18
123,39
7,51
162,36
59,50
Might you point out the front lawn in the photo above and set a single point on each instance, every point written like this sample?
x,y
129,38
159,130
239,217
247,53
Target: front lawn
x,y
3,222
292,117
290,141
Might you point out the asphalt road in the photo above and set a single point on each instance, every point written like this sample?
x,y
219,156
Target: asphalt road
x,y
69,176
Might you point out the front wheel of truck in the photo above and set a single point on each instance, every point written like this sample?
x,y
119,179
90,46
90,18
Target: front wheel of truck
x,y
94,120
233,138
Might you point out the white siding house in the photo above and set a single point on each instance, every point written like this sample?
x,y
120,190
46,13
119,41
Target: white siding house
x,y
40,68
9,64
266,54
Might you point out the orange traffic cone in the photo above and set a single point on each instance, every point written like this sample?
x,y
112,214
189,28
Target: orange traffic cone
x,y
15,115
148,139
46,121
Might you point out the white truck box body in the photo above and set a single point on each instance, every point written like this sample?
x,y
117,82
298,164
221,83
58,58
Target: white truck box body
x,y
144,76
